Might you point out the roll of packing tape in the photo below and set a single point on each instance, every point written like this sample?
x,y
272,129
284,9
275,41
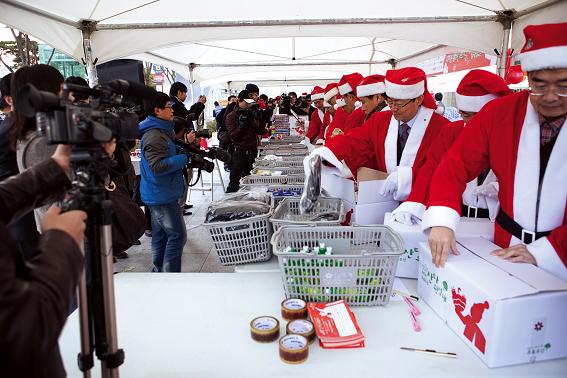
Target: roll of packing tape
x,y
294,308
301,327
265,329
294,349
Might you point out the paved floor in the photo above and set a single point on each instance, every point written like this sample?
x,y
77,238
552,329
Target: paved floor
x,y
198,254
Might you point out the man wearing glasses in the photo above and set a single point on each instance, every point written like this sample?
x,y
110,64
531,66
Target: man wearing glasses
x,y
522,138
396,141
161,170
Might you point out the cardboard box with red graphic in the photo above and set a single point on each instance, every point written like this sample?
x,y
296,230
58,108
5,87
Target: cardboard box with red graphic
x,y
412,235
507,313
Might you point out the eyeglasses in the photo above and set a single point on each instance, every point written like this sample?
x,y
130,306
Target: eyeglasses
x,y
397,104
540,90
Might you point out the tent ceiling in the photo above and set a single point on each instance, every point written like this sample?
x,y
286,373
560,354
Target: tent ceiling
x,y
266,39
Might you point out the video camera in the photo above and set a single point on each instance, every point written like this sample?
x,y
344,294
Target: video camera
x,y
197,156
107,115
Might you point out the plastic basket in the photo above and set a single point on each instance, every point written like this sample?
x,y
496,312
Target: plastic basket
x,y
271,180
242,241
282,159
284,140
284,152
285,171
287,213
360,270
278,163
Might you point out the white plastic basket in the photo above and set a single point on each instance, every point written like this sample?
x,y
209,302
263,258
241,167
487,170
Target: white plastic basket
x,y
287,213
298,189
284,171
242,241
284,152
263,164
271,180
360,270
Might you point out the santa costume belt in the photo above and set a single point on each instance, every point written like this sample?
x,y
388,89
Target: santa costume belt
x,y
510,225
473,212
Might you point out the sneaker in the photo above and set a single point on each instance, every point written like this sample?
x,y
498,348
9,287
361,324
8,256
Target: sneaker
x,y
187,206
186,213
148,233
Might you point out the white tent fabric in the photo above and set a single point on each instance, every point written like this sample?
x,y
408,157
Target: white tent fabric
x,y
224,40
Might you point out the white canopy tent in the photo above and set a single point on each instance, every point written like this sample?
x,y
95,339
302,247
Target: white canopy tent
x,y
223,42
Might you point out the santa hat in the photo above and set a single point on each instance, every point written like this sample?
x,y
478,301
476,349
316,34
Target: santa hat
x,y
348,83
408,83
331,91
545,47
317,93
340,101
479,87
371,85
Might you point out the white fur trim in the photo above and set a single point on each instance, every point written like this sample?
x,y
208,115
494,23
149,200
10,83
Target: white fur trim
x,y
340,103
391,146
326,104
318,96
370,89
320,142
321,115
553,191
547,259
473,103
436,216
414,208
404,92
547,58
404,183
440,110
344,89
332,93
357,104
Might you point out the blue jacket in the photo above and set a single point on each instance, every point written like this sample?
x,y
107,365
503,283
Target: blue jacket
x,y
160,167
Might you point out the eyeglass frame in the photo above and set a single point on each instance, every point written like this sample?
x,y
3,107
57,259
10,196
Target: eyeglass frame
x,y
547,89
392,105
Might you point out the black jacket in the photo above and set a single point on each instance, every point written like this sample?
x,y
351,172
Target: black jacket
x,y
8,163
34,296
244,135
179,109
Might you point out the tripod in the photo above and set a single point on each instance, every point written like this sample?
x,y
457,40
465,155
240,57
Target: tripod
x,y
97,312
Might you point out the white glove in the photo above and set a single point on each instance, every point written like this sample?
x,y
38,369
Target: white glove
x,y
406,218
489,190
390,184
409,213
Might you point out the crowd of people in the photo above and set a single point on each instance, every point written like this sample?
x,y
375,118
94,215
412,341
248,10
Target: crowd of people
x,y
505,159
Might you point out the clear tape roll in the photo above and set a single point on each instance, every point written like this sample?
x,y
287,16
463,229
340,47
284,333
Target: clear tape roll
x,y
294,308
265,329
294,349
301,327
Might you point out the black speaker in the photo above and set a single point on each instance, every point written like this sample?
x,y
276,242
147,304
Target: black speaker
x,y
126,69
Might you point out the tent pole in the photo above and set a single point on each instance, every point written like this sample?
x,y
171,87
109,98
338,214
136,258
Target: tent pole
x,y
192,80
87,28
506,18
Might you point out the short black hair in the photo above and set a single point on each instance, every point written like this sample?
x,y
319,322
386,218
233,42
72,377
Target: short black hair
x,y
252,88
159,101
438,96
264,97
244,94
77,80
292,94
216,103
180,124
231,97
176,87
5,85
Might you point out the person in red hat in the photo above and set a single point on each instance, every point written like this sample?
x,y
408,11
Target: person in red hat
x,y
396,141
522,138
475,90
372,93
329,102
315,130
347,89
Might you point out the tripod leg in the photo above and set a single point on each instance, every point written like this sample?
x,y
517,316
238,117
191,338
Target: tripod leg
x,y
85,358
109,367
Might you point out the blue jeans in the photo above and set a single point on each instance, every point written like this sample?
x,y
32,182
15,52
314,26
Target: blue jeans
x,y
168,237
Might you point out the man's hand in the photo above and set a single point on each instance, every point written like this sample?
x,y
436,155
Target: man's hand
x,y
190,136
62,156
518,253
390,184
441,241
71,222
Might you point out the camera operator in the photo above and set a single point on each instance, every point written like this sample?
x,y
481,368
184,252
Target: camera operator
x,y
244,125
182,134
178,94
162,184
222,133
35,296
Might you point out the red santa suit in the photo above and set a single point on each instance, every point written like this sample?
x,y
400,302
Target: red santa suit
x,y
342,120
476,89
336,127
315,130
516,166
354,120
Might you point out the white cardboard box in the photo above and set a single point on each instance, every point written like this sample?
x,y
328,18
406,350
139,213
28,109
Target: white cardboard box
x,y
367,204
507,313
413,235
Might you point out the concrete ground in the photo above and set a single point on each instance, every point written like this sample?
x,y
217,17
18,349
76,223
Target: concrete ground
x,y
198,254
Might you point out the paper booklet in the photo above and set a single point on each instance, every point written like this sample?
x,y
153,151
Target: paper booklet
x,y
335,325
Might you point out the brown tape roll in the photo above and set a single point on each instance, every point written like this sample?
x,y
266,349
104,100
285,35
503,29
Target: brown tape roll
x,y
301,327
294,349
265,329
294,308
